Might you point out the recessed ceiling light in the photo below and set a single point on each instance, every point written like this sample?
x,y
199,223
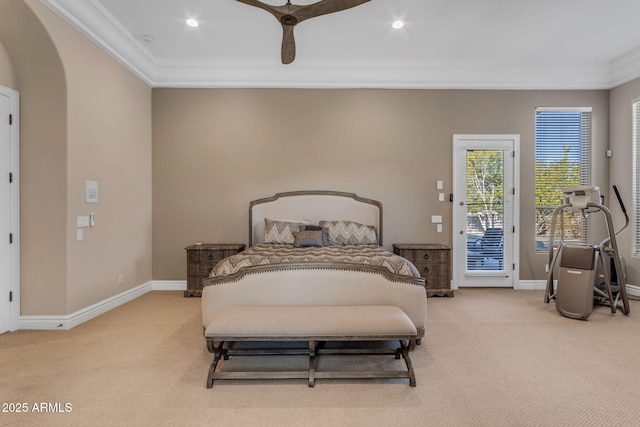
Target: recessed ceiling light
x,y
192,22
397,24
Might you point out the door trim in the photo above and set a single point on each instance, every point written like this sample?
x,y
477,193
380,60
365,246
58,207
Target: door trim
x,y
14,210
460,140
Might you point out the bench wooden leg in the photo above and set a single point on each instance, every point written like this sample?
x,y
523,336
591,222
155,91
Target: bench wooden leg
x,y
312,363
212,370
407,360
220,352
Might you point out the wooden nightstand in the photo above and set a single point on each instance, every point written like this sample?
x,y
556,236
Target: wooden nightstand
x,y
432,261
201,259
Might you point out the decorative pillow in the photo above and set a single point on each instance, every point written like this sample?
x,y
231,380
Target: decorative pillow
x,y
276,231
325,233
343,233
303,239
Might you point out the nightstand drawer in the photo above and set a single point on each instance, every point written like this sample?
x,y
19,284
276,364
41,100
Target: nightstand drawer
x,y
429,256
208,260
432,269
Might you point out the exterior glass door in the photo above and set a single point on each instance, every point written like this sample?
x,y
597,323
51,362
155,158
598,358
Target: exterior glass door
x,y
484,210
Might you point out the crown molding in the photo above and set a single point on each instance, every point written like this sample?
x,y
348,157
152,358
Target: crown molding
x,y
383,75
625,68
106,32
98,25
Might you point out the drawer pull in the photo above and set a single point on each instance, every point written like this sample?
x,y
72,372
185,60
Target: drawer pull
x,y
210,257
426,256
426,269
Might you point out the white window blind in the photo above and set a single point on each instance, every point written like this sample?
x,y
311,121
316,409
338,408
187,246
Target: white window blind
x,y
563,159
636,173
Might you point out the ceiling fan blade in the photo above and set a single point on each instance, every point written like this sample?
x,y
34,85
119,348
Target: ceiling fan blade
x,y
288,44
325,7
277,11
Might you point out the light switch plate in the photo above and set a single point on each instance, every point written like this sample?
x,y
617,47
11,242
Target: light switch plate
x,y
91,191
82,221
439,185
436,219
79,234
441,197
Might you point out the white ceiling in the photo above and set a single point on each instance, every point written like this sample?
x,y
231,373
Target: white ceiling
x,y
492,44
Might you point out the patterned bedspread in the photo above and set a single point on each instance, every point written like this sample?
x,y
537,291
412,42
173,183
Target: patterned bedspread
x,y
271,254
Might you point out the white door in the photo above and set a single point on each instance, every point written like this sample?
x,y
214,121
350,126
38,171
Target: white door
x,y
9,252
485,207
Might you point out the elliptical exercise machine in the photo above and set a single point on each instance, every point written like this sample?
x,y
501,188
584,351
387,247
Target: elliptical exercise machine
x,y
583,267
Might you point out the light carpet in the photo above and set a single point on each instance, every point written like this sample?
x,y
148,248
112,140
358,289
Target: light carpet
x,y
491,357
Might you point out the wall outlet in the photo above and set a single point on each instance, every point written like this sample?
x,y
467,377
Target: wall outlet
x,y
120,279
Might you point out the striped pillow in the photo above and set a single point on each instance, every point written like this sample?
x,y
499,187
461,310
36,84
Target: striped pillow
x,y
342,233
276,231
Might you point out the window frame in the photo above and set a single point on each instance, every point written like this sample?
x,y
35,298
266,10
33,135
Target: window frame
x,y
635,142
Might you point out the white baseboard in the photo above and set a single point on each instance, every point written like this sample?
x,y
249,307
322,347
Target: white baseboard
x,y
522,285
169,285
633,290
541,285
531,285
74,319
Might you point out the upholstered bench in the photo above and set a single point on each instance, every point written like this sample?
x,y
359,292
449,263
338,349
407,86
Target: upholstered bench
x,y
315,325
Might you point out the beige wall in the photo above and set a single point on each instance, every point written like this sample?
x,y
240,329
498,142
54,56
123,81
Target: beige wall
x,y
83,116
43,159
109,141
214,150
7,73
621,169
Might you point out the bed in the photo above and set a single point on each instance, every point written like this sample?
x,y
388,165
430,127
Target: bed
x,y
332,257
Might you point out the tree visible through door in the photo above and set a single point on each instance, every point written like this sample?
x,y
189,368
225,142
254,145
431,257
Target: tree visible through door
x,y
485,209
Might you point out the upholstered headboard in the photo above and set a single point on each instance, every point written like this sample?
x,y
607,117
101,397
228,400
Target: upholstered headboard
x,y
313,206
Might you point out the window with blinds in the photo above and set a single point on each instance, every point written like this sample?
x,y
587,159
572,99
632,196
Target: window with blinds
x,y
563,159
636,173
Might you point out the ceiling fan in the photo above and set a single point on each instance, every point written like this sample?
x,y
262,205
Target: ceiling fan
x,y
289,15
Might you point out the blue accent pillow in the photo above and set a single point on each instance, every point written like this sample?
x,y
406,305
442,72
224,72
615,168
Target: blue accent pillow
x,y
325,232
307,238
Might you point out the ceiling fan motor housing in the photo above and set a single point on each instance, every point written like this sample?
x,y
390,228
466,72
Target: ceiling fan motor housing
x,y
288,20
